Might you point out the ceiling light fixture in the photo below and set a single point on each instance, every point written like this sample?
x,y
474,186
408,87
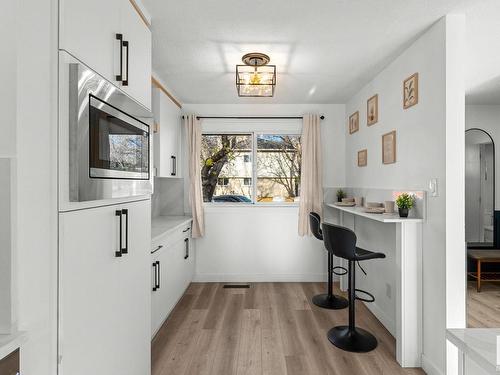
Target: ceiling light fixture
x,y
256,78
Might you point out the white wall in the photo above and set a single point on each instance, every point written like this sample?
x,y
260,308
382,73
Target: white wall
x,y
36,183
422,141
487,117
261,243
8,89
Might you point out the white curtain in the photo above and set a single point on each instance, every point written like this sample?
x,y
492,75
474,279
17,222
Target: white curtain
x,y
193,131
311,180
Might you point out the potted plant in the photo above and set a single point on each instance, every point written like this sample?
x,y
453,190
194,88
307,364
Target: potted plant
x,y
340,195
404,202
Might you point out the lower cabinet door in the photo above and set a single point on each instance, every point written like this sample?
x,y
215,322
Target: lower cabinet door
x,y
104,301
170,263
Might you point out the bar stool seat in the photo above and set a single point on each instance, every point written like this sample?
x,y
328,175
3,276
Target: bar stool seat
x,y
327,300
341,242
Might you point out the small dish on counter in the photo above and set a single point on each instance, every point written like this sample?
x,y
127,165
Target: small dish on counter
x,y
374,205
345,204
375,210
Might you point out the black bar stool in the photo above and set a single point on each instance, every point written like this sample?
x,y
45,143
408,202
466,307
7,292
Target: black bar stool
x,y
329,300
341,242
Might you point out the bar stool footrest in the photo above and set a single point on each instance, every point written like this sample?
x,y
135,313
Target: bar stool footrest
x,y
343,269
368,300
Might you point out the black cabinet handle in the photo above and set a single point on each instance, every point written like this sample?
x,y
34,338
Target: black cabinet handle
x,y
158,268
125,249
185,230
118,253
174,165
158,248
156,279
186,244
119,37
126,45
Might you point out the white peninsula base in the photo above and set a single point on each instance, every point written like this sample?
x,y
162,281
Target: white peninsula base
x,y
401,240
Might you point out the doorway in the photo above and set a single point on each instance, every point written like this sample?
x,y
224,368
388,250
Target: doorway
x,y
479,189
483,296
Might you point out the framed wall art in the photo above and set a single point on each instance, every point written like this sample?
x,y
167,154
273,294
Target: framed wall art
x,y
362,158
372,110
410,91
389,147
354,122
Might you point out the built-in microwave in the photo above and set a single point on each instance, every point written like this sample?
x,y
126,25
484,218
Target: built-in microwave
x,y
108,137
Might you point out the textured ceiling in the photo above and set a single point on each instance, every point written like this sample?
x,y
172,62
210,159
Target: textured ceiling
x,y
325,50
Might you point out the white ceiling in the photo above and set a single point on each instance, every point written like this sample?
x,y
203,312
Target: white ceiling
x,y
325,50
483,53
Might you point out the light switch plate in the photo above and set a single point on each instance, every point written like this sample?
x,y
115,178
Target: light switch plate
x,y
433,187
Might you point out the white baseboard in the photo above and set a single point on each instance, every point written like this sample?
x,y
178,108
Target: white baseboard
x,y
214,277
388,323
429,367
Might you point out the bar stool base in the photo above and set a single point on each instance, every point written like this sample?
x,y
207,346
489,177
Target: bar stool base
x,y
328,301
357,340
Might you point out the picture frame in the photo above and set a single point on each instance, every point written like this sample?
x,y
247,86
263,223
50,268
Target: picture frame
x,y
389,147
410,91
354,122
372,110
363,158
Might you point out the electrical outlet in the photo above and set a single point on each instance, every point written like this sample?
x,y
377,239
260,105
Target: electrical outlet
x,y
388,290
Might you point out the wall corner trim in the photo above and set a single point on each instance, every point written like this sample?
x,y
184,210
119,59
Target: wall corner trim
x,y
155,82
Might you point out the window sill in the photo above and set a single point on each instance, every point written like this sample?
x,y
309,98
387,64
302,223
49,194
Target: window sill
x,y
212,206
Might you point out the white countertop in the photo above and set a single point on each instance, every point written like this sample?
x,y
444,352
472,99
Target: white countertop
x,y
162,224
479,344
9,343
383,218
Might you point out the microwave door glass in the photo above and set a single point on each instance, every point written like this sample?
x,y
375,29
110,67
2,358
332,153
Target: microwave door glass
x,y
118,149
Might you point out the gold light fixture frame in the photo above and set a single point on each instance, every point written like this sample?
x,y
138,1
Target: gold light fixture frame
x,y
252,87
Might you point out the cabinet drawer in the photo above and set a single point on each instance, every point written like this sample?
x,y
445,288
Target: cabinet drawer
x,y
171,237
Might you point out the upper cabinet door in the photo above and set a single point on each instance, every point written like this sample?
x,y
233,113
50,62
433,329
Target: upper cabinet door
x,y
138,67
167,141
88,31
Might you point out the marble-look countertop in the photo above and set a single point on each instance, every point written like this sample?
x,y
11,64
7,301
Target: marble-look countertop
x,y
479,344
163,224
384,218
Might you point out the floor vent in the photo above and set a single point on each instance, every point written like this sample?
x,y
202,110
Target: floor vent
x,y
236,286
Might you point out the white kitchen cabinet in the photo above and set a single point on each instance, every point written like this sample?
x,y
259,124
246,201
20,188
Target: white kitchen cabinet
x,y
167,139
104,297
172,272
138,36
88,31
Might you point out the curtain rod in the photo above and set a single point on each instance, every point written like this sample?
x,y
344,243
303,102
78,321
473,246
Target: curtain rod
x,y
254,117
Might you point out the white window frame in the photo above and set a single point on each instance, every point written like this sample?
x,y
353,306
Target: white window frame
x,y
254,135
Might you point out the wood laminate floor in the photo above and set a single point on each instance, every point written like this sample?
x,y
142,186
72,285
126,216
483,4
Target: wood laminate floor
x,y
483,309
269,329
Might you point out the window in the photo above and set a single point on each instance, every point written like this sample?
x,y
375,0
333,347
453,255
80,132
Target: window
x,y
278,168
228,173
223,181
223,170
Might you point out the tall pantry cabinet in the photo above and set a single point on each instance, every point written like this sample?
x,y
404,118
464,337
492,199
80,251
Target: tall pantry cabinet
x,y
104,296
